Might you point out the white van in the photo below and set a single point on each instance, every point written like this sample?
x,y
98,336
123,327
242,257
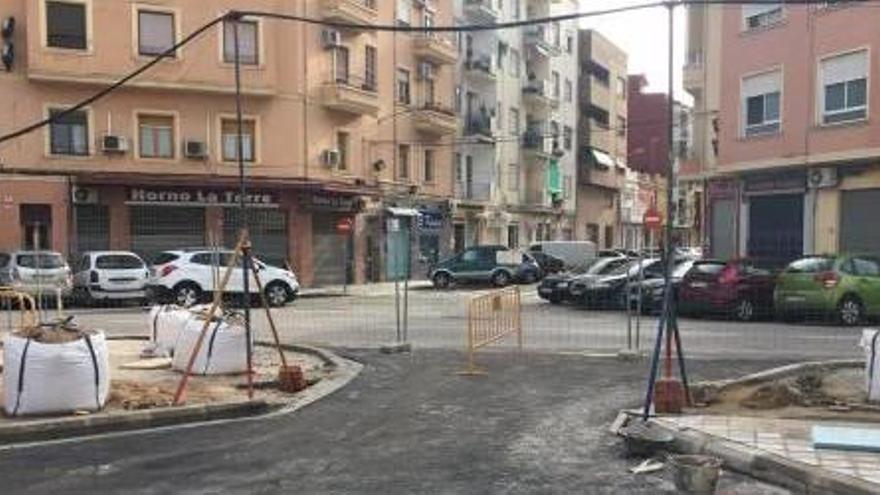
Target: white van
x,y
572,253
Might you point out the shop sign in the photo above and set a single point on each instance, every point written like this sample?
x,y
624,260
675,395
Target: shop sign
x,y
430,220
776,182
199,197
331,202
719,189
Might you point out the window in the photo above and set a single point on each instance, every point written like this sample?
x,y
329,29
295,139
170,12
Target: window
x,y
566,187
502,55
811,265
598,114
229,140
458,100
514,122
557,34
513,177
621,126
514,63
69,133
557,90
844,93
761,15
761,101
403,162
156,32
515,9
609,236
370,59
341,65
513,236
36,232
456,165
866,267
569,91
404,12
248,39
599,72
568,137
429,87
118,262
621,87
155,136
429,166
403,88
342,146
66,25
593,232
554,129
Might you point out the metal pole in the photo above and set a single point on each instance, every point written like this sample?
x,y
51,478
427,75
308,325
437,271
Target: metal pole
x,y
668,302
242,206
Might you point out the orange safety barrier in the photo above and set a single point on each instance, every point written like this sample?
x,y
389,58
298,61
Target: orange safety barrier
x,y
491,317
26,306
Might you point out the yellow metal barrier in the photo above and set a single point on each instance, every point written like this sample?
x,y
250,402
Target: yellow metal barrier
x,y
26,305
491,317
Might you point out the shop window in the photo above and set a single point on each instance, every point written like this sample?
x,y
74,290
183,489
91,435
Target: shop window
x,y
36,226
69,133
229,139
156,32
248,42
155,136
66,25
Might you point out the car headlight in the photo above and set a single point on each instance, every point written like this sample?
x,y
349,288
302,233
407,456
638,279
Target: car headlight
x,y
601,286
562,285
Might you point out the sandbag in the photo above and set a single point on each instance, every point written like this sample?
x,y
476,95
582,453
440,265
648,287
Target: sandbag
x,y
871,345
55,377
166,323
223,350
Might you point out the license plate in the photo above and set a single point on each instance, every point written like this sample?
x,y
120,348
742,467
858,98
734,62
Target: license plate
x,y
122,279
699,285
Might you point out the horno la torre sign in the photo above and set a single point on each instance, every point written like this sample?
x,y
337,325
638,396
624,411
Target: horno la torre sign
x,y
199,197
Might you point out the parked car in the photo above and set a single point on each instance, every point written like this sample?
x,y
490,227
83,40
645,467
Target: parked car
x,y
547,262
651,290
38,273
498,265
110,276
187,277
846,286
742,289
572,253
609,291
555,288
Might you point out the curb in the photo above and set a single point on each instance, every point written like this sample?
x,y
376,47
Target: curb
x,y
794,475
54,429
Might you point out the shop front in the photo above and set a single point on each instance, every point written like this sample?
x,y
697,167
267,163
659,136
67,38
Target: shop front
x,y
773,209
722,218
333,247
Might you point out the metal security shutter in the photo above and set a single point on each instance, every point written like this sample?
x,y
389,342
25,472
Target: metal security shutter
x,y
92,228
723,233
268,231
328,249
858,223
776,227
159,228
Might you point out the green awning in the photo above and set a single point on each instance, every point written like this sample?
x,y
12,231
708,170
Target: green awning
x,y
554,177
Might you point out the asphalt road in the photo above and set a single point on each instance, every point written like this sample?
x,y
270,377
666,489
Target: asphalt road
x,y
437,320
536,424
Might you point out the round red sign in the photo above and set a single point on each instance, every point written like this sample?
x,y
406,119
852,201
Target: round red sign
x,y
344,225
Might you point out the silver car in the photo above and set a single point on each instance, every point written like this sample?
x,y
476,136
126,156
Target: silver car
x,y
38,273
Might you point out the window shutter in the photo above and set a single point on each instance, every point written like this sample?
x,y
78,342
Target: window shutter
x,y
845,68
758,9
761,84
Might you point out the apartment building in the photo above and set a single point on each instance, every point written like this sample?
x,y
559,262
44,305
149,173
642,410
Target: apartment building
x,y
788,139
516,161
602,146
338,126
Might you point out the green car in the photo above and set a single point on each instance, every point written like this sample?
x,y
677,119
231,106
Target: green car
x,y
846,287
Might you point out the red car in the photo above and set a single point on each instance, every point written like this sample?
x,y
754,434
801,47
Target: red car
x,y
742,289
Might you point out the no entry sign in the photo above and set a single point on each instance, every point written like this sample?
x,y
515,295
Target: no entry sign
x,y
652,219
344,225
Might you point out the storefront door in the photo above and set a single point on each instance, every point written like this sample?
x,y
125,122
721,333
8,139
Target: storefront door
x,y
267,229
160,228
858,231
331,250
776,227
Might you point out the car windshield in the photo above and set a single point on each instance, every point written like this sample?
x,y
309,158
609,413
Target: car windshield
x,y
163,258
4,260
605,265
811,265
118,262
682,268
633,268
709,267
40,260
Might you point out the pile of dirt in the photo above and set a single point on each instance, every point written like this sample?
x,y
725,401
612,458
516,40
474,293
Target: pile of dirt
x,y
804,390
133,396
55,332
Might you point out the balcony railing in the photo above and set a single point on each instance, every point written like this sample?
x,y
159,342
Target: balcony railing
x,y
436,47
539,38
480,64
482,10
435,118
473,191
478,124
350,11
351,94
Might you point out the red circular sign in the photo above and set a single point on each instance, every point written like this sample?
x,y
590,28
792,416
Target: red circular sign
x,y
344,225
652,219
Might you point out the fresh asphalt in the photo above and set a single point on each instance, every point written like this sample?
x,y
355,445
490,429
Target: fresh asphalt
x,y
536,423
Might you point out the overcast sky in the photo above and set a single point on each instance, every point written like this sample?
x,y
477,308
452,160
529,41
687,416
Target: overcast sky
x,y
643,35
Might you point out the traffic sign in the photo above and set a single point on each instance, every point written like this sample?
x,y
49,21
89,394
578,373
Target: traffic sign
x,y
652,219
344,225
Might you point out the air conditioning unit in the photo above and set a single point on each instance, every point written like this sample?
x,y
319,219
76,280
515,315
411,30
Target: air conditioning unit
x,y
331,38
426,71
195,149
330,158
84,195
819,178
114,144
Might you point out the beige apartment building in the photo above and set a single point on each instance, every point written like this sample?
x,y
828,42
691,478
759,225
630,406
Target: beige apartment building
x,y
602,142
339,125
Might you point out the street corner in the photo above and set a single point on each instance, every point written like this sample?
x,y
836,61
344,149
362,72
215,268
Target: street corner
x,y
141,392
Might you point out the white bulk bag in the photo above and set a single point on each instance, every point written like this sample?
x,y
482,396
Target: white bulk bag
x,y
55,378
871,344
223,349
166,323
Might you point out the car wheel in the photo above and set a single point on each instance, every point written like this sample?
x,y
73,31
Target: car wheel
x,y
187,294
744,310
850,311
501,279
442,280
277,294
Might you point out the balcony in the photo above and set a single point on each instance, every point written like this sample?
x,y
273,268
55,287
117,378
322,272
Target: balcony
x,y
481,67
473,191
539,144
350,11
435,48
538,38
694,77
537,93
436,119
481,11
479,126
348,95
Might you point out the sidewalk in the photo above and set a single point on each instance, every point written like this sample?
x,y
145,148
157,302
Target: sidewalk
x,y
378,289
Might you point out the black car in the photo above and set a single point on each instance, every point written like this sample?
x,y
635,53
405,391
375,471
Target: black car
x,y
652,289
609,291
547,262
555,288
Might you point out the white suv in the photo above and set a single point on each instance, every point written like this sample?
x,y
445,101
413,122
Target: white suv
x,y
190,276
110,275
